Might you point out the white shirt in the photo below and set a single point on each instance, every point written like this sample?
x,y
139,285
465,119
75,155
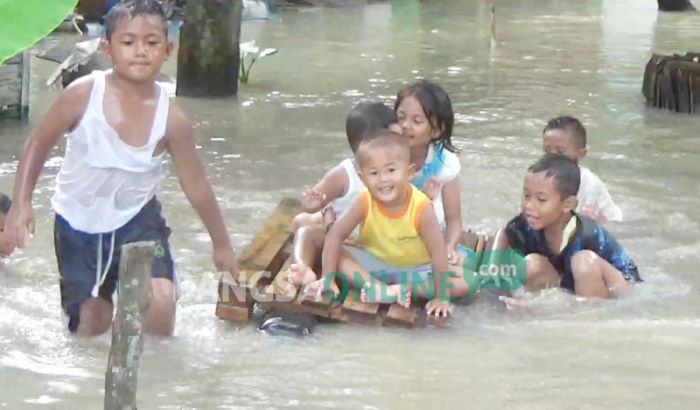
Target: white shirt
x,y
593,191
449,171
355,185
103,181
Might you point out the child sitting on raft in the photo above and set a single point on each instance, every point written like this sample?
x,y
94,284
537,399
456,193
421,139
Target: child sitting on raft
x,y
425,114
399,241
561,247
566,135
323,203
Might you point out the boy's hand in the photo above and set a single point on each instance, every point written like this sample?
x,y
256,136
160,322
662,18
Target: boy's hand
x,y
439,308
432,188
314,198
225,260
19,225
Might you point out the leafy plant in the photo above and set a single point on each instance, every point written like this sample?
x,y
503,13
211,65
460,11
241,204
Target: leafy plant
x,y
250,53
26,22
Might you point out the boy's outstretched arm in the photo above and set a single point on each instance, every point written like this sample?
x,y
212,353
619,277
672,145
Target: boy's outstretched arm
x,y
429,231
63,115
197,188
332,186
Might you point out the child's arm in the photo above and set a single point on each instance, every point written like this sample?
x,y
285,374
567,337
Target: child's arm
x,y
194,182
452,205
340,230
333,185
429,231
61,117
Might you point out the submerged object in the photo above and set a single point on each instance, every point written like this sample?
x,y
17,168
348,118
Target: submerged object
x,y
287,323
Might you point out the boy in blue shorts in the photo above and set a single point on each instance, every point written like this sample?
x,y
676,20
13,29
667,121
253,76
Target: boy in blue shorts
x,y
119,123
561,247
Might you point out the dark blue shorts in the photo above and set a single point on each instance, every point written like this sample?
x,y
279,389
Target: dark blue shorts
x,y
76,253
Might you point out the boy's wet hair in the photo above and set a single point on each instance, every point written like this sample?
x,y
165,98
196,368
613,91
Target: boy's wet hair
x,y
131,9
571,124
5,203
437,108
367,117
379,139
565,171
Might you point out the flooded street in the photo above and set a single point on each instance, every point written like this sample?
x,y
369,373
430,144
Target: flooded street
x,y
287,129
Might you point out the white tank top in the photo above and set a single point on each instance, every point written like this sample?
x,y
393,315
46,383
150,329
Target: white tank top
x,y
103,181
355,185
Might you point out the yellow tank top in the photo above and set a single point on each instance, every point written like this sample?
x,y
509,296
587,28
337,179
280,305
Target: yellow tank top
x,y
393,236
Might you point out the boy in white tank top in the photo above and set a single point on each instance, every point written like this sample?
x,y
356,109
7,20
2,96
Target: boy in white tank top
x,y
120,124
566,135
335,192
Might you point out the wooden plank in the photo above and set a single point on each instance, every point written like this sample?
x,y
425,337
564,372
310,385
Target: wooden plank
x,y
310,302
355,309
271,237
266,253
238,314
400,316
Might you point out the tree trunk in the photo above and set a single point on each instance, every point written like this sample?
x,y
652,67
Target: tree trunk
x,y
675,5
208,59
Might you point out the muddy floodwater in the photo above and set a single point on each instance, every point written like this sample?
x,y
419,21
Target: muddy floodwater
x,y
584,58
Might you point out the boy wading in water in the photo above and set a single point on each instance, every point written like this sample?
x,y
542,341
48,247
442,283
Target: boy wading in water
x,y
119,124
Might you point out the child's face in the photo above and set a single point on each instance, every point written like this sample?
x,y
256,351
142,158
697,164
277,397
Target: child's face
x,y
541,202
138,47
558,141
414,124
386,172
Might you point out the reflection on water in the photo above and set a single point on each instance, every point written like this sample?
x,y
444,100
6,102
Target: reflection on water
x,y
286,130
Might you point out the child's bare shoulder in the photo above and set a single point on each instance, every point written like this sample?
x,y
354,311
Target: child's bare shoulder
x,y
71,104
179,123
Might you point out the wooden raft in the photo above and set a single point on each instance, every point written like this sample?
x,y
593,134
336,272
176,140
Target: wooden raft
x,y
263,279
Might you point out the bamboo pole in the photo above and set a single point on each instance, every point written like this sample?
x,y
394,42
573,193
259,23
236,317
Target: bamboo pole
x,y
121,380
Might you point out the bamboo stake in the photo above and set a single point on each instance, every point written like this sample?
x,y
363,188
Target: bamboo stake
x,y
121,380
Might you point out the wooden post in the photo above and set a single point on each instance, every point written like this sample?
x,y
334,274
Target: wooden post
x,y
127,338
26,74
208,59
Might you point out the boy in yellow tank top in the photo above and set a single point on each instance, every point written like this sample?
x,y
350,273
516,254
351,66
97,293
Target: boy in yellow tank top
x,y
399,243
